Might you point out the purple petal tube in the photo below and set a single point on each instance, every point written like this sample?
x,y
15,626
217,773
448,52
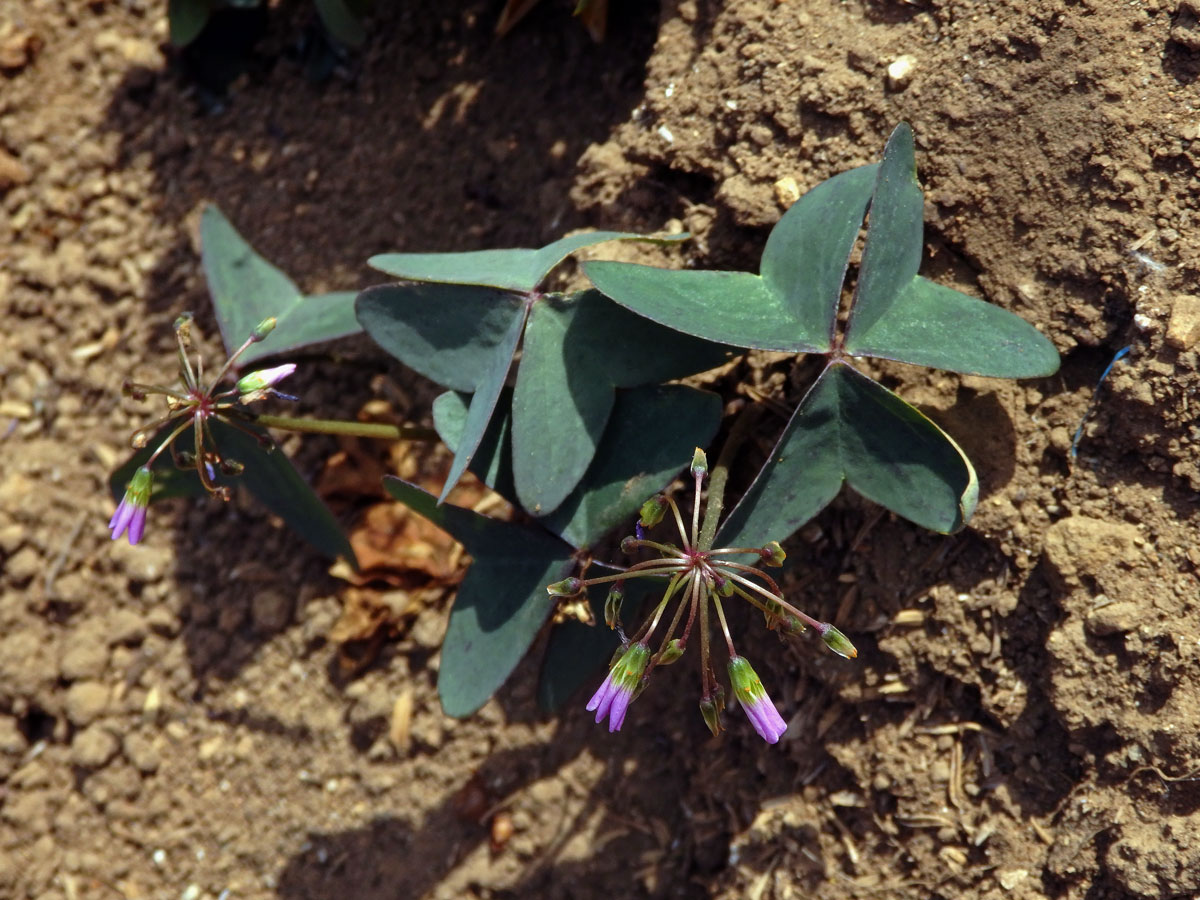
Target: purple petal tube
x,y
766,719
130,517
754,700
616,693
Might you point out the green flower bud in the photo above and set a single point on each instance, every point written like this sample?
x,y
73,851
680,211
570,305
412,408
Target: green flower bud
x,y
699,464
723,585
612,604
265,327
652,511
711,708
671,652
629,545
568,587
779,618
837,642
773,554
231,467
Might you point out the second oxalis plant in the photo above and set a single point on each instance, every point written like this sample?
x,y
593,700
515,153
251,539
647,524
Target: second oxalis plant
x,y
588,431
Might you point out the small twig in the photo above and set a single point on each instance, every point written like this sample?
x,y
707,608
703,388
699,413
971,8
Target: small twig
x,y
61,559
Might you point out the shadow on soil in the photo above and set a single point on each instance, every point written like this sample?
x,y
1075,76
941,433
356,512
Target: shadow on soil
x,y
436,137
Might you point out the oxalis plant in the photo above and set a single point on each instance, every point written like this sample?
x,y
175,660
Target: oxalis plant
x,y
557,402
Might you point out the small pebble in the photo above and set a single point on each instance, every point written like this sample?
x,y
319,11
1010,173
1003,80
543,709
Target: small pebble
x,y
900,72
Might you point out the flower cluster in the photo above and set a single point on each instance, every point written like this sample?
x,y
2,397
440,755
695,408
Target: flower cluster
x,y
192,406
699,578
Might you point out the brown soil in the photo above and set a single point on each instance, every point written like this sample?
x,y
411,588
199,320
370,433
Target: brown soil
x,y
1022,719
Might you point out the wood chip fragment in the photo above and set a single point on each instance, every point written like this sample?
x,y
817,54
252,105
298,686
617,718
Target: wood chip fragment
x,y
400,732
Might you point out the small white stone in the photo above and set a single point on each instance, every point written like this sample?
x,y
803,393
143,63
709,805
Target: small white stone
x,y
900,71
1143,322
665,133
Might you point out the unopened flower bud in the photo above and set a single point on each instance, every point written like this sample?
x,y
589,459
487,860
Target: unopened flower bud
x,y
629,545
671,652
652,511
231,467
711,708
265,327
699,464
773,555
836,641
257,385
568,587
723,585
780,619
612,604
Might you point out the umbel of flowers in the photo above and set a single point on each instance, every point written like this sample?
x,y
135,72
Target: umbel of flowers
x,y
191,406
698,580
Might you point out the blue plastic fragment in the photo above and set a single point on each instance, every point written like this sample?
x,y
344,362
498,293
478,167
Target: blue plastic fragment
x,y
1124,351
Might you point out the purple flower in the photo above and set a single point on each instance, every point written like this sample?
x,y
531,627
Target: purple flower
x,y
754,700
614,696
130,516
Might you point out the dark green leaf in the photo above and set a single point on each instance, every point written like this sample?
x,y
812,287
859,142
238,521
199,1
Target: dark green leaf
x,y
273,481
483,402
892,254
792,307
574,653
933,325
560,408
577,351
501,604
851,428
732,307
492,461
186,19
246,289
342,22
449,333
651,435
807,252
514,269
